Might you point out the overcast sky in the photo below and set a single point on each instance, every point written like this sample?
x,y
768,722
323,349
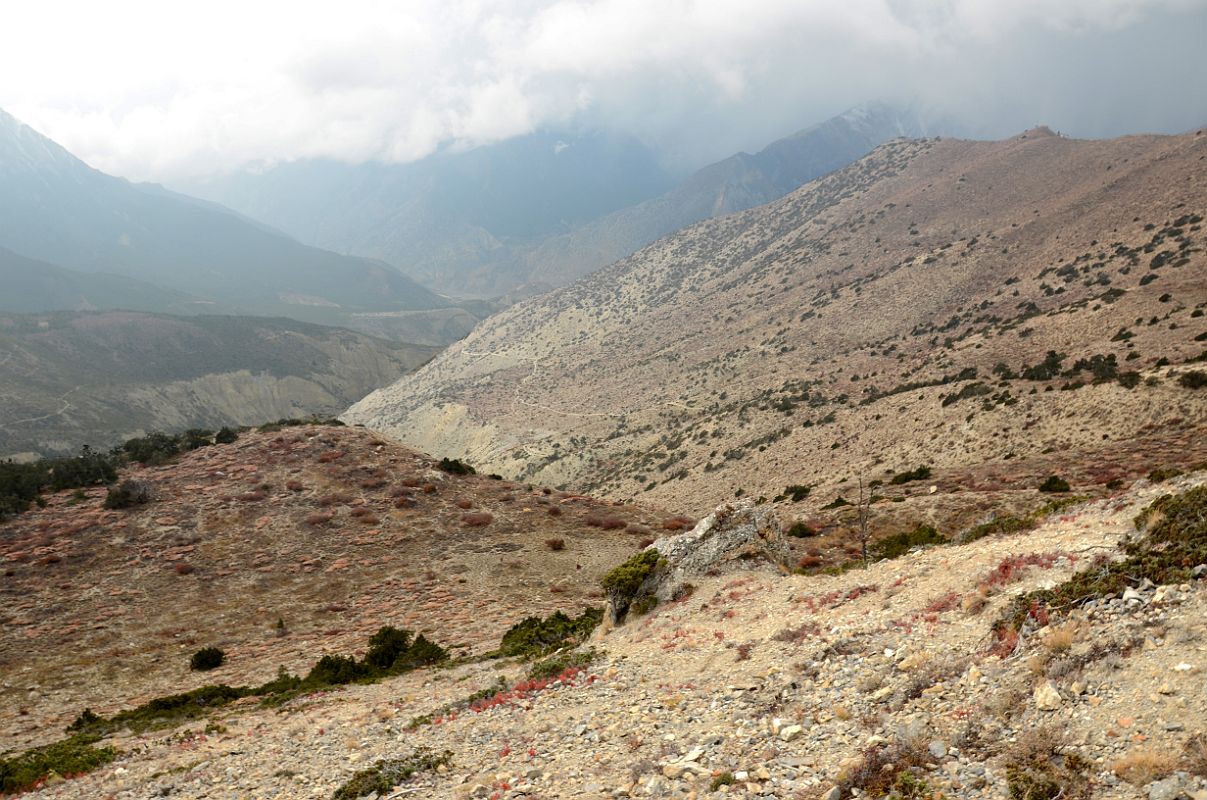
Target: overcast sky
x,y
162,90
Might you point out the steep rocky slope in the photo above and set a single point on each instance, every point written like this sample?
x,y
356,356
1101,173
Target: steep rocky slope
x,y
755,684
68,379
895,314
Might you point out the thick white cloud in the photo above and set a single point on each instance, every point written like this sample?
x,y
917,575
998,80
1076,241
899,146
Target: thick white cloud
x,y
159,90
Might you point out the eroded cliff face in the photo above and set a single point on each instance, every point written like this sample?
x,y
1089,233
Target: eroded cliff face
x,y
74,379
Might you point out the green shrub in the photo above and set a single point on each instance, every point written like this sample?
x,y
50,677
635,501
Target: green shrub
x,y
919,474
624,581
556,665
336,670
72,756
207,658
160,712
724,779
455,466
129,493
899,544
22,484
1174,541
381,778
800,530
1054,484
837,502
153,449
1161,474
1195,379
328,672
225,435
794,492
534,636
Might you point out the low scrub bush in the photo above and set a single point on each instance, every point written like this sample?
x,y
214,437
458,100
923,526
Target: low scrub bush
x,y
207,658
386,774
898,544
22,484
534,637
556,544
391,652
1037,770
75,755
795,493
919,474
1194,379
1173,541
129,493
800,530
455,466
561,664
1054,483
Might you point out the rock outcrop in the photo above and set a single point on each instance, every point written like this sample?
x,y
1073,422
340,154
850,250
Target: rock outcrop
x,y
731,531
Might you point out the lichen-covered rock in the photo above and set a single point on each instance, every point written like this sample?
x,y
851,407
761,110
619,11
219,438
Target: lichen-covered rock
x,y
732,530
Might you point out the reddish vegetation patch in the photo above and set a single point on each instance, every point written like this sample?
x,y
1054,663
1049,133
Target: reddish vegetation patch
x,y
605,523
556,544
334,455
945,603
252,497
361,511
183,569
319,518
644,543
837,597
678,523
1006,640
294,486
809,562
555,511
806,630
1011,567
478,519
338,499
464,504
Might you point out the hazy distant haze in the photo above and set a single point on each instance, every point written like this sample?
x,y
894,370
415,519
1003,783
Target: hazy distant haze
x,y
164,91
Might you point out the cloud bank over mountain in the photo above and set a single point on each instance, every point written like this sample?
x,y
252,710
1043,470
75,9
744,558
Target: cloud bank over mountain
x,y
173,91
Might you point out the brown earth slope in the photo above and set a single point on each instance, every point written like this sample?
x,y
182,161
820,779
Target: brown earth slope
x,y
878,319
328,529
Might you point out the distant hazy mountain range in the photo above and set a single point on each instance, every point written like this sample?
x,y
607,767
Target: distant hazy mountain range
x,y
105,235
537,211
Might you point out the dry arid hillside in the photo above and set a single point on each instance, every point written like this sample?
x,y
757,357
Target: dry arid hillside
x,y
896,314
955,671
329,530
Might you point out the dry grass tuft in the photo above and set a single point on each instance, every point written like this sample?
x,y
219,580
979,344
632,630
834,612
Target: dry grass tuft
x,y
1061,639
1141,767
